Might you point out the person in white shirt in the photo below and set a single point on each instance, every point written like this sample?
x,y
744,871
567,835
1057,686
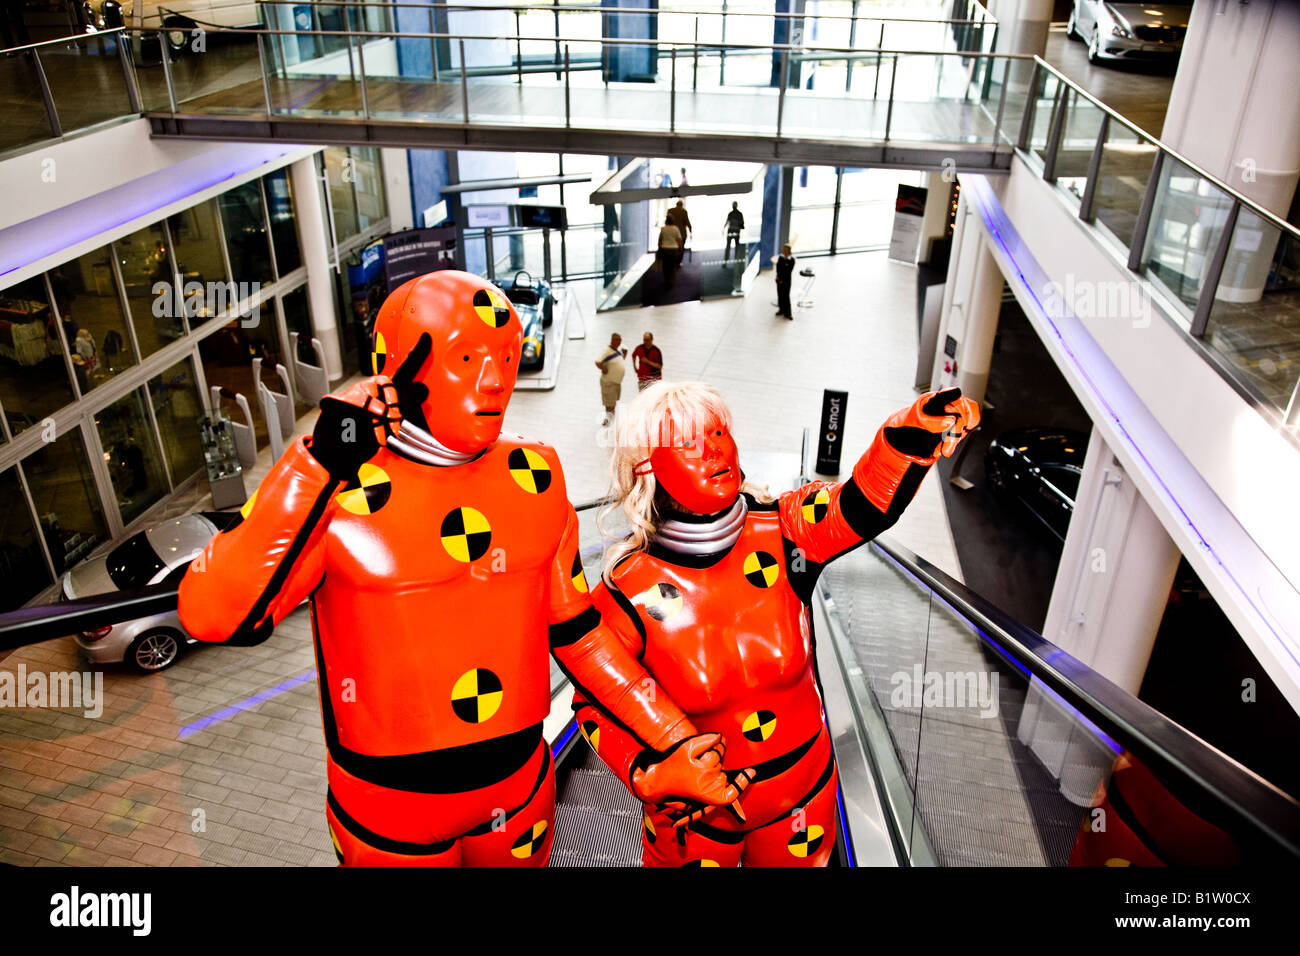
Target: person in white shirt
x,y
613,366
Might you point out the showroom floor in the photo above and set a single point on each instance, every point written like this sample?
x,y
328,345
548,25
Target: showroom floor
x,y
220,759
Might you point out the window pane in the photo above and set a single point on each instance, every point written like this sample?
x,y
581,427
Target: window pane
x,y
143,259
63,491
342,201
369,183
131,451
22,566
284,229
178,408
228,355
297,318
33,377
85,293
246,240
198,251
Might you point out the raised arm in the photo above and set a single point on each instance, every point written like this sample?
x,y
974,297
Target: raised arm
x,y
825,519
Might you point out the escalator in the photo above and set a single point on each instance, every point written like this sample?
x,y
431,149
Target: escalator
x,y
962,739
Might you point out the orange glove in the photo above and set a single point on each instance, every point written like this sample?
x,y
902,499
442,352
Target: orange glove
x,y
933,426
688,778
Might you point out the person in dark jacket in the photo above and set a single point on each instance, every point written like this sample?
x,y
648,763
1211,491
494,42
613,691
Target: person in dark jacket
x,y
784,273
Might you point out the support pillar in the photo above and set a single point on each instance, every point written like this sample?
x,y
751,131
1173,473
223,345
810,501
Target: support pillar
x,y
317,256
972,303
1107,603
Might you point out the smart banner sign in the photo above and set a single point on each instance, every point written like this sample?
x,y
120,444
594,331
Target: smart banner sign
x,y
417,251
832,431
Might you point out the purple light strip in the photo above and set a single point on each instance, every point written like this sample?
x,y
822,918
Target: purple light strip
x,y
991,222
226,713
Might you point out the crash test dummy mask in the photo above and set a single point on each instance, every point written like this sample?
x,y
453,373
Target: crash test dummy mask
x,y
470,339
684,434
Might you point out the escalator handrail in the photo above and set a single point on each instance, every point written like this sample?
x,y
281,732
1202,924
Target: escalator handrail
x,y
1164,746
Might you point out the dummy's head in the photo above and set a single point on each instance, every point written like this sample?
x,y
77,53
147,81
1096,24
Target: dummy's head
x,y
463,339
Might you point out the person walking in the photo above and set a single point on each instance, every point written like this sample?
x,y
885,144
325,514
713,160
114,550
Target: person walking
x,y
613,366
784,273
647,362
670,248
682,220
735,226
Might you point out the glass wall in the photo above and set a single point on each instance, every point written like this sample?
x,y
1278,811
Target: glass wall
x,y
144,261
22,565
67,504
284,225
356,189
131,453
34,380
104,381
90,308
197,239
177,407
244,221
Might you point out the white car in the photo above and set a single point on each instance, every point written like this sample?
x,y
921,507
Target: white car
x,y
156,556
1130,31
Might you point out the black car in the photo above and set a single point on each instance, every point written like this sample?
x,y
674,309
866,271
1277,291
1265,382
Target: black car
x,y
1037,470
535,304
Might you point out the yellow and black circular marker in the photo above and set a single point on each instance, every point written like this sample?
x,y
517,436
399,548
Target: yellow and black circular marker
x,y
379,354
700,863
649,829
492,307
805,842
661,601
815,506
532,840
466,534
476,695
529,470
367,492
578,575
591,730
761,569
758,726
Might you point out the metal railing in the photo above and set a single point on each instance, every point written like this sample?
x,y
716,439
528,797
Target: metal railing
x,y
1179,199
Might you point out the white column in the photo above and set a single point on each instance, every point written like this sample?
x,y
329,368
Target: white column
x,y
317,255
1109,597
1232,111
972,302
397,183
934,221
1022,28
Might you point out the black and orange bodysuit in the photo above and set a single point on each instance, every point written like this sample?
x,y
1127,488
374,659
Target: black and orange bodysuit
x,y
440,578
717,609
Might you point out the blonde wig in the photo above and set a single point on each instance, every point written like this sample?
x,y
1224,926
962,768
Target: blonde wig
x,y
664,415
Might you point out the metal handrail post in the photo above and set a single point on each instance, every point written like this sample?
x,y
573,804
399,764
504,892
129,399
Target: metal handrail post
x,y
361,62
568,106
880,46
1143,222
780,97
1094,170
672,90
1054,133
1002,99
128,74
1213,272
889,112
266,86
165,55
464,89
1031,106
519,48
695,58
51,111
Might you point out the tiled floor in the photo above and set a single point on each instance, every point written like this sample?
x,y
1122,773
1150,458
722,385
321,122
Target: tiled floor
x,y
220,760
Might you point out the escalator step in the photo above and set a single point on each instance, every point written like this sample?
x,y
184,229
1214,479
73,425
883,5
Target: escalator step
x,y
597,821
